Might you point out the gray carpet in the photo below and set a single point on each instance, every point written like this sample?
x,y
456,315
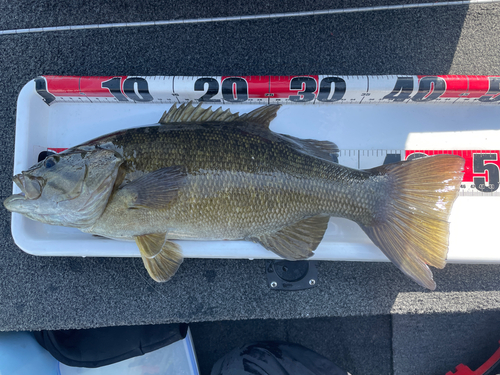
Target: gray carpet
x,y
59,293
435,344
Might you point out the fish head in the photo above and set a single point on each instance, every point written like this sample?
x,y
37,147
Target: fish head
x,y
68,189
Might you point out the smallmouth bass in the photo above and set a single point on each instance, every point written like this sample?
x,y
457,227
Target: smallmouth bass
x,y
203,174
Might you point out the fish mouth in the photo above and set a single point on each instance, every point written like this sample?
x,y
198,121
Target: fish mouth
x,y
31,187
13,202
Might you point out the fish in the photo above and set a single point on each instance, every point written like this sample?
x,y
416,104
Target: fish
x,y
203,174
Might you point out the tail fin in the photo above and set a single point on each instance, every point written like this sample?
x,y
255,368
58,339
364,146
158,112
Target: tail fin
x,y
414,228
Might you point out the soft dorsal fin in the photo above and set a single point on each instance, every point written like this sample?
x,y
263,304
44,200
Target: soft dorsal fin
x,y
187,113
320,149
262,115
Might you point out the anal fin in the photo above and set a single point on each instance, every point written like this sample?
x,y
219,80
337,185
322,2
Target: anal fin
x,y
161,257
297,241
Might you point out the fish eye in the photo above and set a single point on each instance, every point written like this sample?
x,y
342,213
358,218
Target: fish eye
x,y
51,161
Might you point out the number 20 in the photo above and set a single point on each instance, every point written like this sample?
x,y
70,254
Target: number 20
x,y
234,89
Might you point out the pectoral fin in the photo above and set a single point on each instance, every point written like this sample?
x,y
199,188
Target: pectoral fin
x,y
297,241
156,189
161,257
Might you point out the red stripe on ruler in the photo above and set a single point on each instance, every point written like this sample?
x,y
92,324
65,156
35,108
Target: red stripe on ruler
x,y
474,160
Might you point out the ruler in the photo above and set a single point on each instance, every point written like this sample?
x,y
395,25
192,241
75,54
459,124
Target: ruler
x,y
481,172
306,89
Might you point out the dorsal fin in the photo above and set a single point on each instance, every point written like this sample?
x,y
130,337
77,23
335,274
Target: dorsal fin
x,y
262,115
189,113
321,149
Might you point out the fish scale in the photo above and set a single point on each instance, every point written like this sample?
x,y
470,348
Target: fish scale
x,y
227,185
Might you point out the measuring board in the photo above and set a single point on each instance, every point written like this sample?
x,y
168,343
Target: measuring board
x,y
60,112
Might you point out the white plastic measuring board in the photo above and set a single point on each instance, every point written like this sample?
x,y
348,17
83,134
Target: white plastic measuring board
x,y
393,117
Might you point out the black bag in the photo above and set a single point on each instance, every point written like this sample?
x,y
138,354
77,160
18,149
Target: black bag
x,y
104,346
274,358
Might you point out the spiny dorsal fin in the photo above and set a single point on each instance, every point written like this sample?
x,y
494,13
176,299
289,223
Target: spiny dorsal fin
x,y
189,113
320,149
161,258
297,241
